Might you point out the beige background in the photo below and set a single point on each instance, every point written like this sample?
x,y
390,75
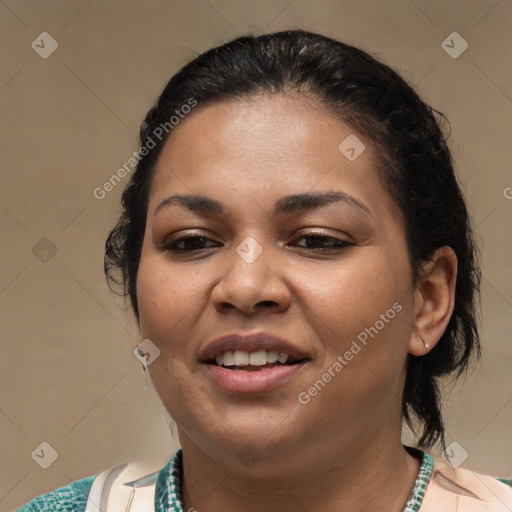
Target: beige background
x,y
68,122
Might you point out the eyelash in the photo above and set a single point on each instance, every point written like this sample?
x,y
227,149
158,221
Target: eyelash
x,y
336,243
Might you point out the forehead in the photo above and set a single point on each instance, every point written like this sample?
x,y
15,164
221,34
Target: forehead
x,y
264,146
264,129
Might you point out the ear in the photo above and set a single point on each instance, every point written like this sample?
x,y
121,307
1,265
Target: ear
x,y
434,298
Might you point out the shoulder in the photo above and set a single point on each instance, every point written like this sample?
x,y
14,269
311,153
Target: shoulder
x,y
464,490
72,497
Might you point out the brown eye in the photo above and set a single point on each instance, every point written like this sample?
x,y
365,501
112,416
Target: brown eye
x,y
319,241
188,244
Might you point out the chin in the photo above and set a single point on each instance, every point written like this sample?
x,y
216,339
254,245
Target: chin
x,y
268,431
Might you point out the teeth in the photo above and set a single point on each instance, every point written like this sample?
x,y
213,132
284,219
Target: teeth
x,y
258,358
228,359
282,358
241,358
244,358
272,356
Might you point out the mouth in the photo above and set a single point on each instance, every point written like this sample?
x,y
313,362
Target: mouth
x,y
251,362
242,372
259,360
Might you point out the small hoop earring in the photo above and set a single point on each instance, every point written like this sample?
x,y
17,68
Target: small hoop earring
x,y
144,365
145,370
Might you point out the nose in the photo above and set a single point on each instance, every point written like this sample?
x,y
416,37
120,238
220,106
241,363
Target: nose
x,y
251,286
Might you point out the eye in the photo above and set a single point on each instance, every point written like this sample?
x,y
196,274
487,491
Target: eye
x,y
191,243
321,241
187,243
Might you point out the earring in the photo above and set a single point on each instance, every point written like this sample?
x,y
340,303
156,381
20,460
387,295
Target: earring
x,y
143,360
145,370
426,344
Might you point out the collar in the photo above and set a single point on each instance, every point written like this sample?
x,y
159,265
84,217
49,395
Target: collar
x,y
168,485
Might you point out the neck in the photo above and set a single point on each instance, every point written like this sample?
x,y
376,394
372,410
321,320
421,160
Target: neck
x,y
356,478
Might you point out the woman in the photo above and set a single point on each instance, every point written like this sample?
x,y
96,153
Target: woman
x,y
300,261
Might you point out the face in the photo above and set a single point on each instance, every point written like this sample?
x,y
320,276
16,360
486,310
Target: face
x,y
329,276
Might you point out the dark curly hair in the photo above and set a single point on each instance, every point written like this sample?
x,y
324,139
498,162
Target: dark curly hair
x,y
415,166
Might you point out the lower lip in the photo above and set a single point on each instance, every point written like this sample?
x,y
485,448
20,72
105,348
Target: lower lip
x,y
255,381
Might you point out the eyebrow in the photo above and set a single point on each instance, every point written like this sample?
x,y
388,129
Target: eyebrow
x,y
285,205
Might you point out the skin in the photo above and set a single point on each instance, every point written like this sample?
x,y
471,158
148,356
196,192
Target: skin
x,y
247,154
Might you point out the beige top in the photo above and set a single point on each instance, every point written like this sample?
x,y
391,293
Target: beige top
x,y
462,490
448,490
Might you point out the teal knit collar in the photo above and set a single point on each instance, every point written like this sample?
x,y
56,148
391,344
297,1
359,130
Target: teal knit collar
x,y
168,485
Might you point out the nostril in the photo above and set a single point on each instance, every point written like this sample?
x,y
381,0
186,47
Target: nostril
x,y
267,303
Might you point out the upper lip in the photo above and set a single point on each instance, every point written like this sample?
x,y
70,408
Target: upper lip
x,y
250,342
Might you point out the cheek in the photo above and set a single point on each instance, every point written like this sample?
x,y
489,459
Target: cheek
x,y
363,318
350,296
167,305
165,298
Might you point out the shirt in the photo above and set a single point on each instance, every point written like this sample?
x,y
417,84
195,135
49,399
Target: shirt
x,y
73,497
